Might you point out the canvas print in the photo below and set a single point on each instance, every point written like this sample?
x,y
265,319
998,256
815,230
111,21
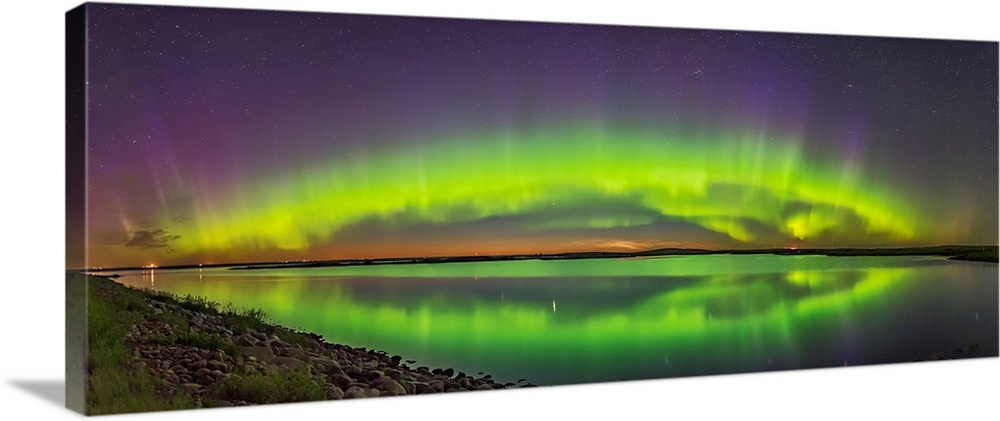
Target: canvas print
x,y
270,207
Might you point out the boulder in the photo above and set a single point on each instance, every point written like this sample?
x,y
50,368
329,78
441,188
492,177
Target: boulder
x,y
291,363
204,376
452,386
423,388
437,385
373,375
261,353
291,352
408,386
388,387
334,393
342,380
192,388
354,372
394,360
246,340
217,365
354,392
333,369
326,362
275,343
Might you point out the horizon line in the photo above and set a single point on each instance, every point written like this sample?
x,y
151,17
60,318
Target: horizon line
x,y
509,255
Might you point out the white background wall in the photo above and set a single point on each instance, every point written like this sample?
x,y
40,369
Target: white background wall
x,y
31,234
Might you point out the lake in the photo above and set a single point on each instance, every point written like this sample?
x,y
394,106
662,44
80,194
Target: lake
x,y
578,321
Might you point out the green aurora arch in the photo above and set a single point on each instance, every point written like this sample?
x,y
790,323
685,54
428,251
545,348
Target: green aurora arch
x,y
725,184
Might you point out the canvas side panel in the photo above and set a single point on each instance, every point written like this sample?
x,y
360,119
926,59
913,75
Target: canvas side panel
x,y
76,293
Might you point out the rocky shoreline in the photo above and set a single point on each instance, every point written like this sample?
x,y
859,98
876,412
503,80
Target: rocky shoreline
x,y
212,358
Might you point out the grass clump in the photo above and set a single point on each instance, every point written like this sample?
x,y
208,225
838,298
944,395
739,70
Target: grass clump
x,y
175,321
188,302
274,387
292,337
208,341
241,319
247,319
198,304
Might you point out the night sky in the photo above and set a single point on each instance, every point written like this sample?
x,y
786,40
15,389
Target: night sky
x,y
236,136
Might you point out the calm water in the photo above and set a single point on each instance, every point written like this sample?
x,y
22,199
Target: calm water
x,y
556,322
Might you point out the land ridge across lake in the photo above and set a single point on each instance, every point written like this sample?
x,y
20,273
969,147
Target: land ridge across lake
x,y
954,252
973,253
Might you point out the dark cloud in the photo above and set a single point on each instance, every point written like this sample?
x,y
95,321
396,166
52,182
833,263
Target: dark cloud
x,y
156,239
112,238
645,228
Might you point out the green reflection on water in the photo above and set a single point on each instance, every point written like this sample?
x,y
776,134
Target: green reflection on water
x,y
578,321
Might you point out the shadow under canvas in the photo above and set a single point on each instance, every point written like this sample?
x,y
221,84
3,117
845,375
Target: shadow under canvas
x,y
53,391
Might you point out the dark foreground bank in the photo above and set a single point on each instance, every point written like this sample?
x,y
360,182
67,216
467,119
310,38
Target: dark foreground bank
x,y
153,351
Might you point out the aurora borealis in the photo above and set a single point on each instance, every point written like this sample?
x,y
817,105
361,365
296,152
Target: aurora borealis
x,y
237,136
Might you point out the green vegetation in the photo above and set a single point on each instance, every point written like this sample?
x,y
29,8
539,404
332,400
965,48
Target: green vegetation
x,y
115,386
246,319
273,387
207,341
197,304
240,319
174,320
292,336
